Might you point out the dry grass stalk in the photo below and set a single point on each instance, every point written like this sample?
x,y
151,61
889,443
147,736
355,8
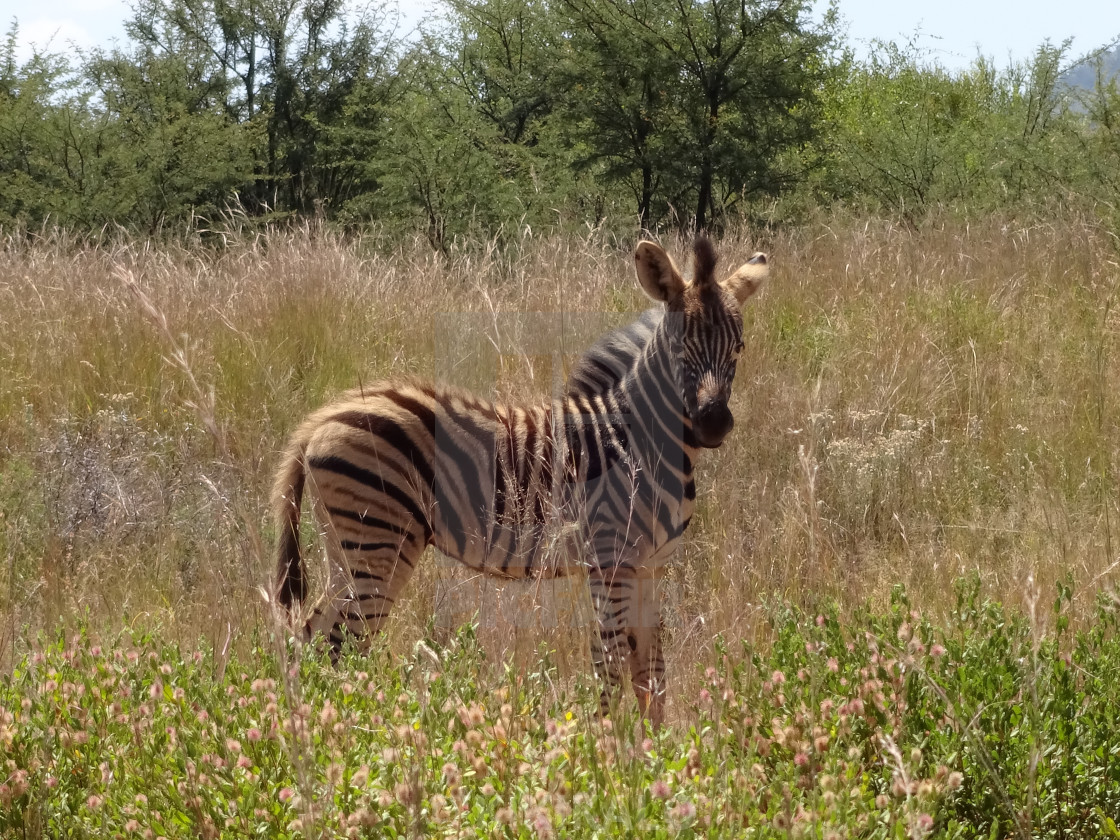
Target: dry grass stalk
x,y
911,407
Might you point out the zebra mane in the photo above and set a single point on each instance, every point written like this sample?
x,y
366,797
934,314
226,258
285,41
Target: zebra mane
x,y
704,261
606,362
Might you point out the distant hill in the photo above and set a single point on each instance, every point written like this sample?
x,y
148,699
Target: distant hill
x,y
1084,75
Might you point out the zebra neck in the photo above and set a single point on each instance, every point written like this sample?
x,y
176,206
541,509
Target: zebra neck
x,y
661,429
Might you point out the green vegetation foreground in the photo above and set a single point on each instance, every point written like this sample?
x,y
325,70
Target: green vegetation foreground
x,y
881,726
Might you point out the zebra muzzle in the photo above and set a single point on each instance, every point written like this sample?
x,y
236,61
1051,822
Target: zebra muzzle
x,y
712,423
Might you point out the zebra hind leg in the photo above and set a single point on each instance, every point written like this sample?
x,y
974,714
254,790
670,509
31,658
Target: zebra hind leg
x,y
360,595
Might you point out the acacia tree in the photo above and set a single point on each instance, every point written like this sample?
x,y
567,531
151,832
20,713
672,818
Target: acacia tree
x,y
473,143
318,60
438,171
286,69
906,134
493,62
498,54
447,164
162,152
150,147
700,98
39,172
619,109
752,71
1100,146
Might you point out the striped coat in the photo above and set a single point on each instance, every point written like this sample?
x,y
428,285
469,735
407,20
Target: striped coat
x,y
407,464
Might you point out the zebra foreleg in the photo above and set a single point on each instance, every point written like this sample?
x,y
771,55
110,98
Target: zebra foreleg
x,y
647,669
628,641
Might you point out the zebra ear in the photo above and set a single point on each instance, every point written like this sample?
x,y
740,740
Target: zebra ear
x,y
748,278
657,272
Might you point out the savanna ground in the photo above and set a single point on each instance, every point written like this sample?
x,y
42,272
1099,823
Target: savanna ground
x,y
895,613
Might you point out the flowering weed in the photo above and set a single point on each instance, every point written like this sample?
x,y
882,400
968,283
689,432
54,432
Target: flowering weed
x,y
886,725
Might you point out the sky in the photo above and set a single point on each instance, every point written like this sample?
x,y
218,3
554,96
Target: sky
x,y
954,31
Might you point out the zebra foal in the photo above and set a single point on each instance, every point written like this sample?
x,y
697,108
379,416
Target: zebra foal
x,y
407,464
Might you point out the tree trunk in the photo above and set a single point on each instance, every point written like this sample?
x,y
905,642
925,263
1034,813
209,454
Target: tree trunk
x,y
646,201
704,197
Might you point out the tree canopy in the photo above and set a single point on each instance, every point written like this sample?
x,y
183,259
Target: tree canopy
x,y
498,114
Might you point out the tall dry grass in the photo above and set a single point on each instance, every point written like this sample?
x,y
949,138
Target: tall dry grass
x,y
912,407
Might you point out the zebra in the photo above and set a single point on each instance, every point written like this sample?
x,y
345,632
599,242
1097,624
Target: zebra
x,y
406,464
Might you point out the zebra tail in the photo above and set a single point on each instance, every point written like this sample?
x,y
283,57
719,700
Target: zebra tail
x,y
287,495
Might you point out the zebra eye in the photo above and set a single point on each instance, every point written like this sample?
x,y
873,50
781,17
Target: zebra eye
x,y
736,352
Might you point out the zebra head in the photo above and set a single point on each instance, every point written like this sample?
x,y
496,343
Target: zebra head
x,y
704,328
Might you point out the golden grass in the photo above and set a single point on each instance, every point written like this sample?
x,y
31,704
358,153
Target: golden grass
x,y
912,407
